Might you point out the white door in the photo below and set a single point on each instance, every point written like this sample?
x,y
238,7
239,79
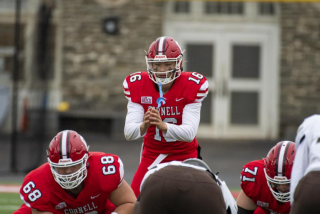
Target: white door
x,y
241,67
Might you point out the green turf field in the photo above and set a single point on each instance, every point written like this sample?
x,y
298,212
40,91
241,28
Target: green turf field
x,y
9,202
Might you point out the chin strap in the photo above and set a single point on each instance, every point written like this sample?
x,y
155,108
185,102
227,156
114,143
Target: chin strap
x,y
161,99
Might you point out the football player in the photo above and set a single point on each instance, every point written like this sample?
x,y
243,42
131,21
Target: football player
x,y
187,187
164,108
305,185
76,181
265,183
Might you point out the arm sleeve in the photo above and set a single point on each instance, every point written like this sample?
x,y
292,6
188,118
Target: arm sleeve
x,y
190,122
134,119
299,166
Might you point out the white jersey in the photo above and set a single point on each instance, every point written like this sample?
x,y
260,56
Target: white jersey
x,y
307,156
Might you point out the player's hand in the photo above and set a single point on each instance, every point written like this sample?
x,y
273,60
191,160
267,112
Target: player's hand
x,y
146,122
155,119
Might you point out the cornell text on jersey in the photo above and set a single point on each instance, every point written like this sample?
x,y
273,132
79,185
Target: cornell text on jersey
x,y
168,110
84,209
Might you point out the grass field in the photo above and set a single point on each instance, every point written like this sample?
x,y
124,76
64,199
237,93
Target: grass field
x,y
9,202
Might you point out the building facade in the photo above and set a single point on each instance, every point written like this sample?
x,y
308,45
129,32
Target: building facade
x,y
261,60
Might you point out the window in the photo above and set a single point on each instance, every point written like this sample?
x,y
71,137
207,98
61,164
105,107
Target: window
x,y
246,61
182,7
231,8
7,36
10,5
244,108
200,58
266,8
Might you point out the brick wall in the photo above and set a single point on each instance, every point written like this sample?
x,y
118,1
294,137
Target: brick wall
x,y
299,65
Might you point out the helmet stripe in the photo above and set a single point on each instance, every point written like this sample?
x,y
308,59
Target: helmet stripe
x,y
64,144
68,154
161,45
164,45
60,147
285,157
157,47
281,158
277,161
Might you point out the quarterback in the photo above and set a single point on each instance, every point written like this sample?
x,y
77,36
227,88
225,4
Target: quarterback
x,y
76,181
265,183
164,108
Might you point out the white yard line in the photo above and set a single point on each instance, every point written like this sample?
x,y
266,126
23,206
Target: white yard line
x,y
10,188
9,207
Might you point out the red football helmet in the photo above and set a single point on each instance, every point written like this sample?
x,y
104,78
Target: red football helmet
x,y
164,49
278,167
66,149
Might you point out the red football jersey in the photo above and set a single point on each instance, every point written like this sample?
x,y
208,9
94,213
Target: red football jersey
x,y
105,172
23,210
190,87
254,184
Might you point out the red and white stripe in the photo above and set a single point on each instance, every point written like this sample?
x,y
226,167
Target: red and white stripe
x,y
64,144
202,92
282,158
160,46
126,90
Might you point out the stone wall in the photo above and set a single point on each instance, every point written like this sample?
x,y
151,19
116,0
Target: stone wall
x,y
299,65
95,63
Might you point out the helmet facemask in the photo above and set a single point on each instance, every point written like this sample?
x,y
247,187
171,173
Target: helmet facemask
x,y
164,77
70,181
278,180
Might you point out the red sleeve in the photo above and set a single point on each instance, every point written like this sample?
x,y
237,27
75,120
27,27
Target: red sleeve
x,y
137,84
251,178
108,168
194,86
23,210
34,190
